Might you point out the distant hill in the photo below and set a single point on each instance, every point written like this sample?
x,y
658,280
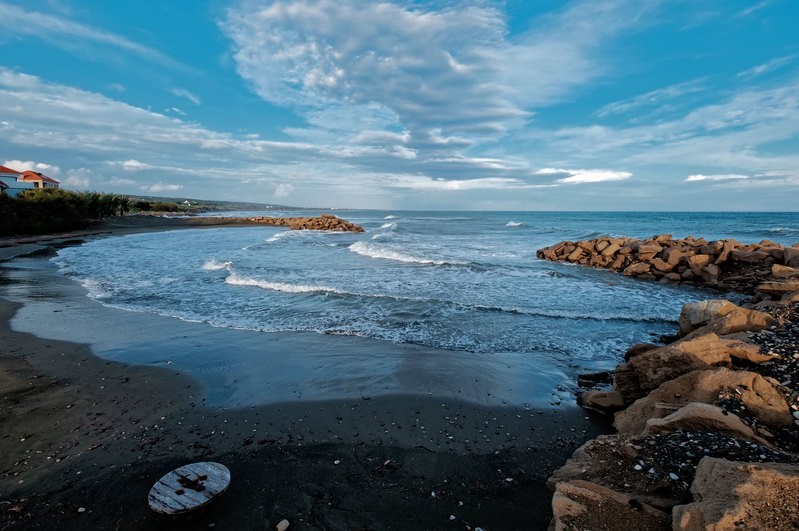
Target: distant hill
x,y
217,206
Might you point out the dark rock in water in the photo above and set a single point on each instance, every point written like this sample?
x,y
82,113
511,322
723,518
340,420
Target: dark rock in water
x,y
594,378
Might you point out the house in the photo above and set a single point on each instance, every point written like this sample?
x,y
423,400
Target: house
x,y
38,180
12,181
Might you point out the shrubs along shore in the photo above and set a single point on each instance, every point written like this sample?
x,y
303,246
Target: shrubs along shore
x,y
708,425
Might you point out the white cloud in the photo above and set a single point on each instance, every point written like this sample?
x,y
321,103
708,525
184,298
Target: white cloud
x,y
426,183
450,68
78,179
160,187
768,66
69,34
585,176
653,98
723,177
283,190
133,165
183,93
40,167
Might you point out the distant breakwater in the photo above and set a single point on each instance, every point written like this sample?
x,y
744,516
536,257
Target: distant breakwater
x,y
325,222
766,269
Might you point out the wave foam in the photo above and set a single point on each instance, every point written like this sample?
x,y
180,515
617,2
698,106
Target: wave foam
x,y
389,226
390,217
513,224
216,265
376,251
285,287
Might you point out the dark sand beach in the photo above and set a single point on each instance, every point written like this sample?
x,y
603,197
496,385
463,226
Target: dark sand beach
x,y
84,438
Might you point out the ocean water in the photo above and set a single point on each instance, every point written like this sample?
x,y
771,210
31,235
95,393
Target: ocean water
x,y
461,286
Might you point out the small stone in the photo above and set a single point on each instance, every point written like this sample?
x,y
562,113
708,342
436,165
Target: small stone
x,y
452,518
673,476
282,525
81,509
796,415
509,480
638,467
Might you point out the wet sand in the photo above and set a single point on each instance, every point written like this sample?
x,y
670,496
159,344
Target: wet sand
x,y
83,439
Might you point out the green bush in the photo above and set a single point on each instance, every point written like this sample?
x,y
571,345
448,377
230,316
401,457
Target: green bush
x,y
54,210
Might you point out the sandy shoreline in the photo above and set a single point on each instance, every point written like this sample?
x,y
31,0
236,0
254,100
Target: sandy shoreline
x,y
83,432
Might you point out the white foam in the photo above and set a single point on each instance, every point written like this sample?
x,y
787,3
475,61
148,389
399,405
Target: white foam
x,y
95,289
215,265
371,250
513,224
389,226
390,217
285,287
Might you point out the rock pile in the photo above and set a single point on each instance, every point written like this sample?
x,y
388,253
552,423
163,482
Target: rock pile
x,y
767,268
327,222
707,426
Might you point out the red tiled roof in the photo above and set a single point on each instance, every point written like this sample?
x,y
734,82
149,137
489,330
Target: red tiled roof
x,y
29,176
4,169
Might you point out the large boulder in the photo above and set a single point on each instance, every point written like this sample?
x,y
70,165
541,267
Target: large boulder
x,y
732,495
737,320
778,287
585,505
781,271
697,314
791,256
758,395
606,402
649,370
697,416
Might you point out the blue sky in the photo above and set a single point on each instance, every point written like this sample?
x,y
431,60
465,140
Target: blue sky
x,y
514,105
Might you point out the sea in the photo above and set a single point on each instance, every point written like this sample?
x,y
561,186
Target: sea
x,y
452,303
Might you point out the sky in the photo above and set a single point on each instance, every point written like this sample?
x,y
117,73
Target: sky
x,y
414,104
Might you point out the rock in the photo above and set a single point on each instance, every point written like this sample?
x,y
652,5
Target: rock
x,y
610,250
674,255
585,505
791,256
778,288
605,402
638,348
662,265
650,248
758,395
697,262
697,416
282,525
735,495
710,274
728,247
780,271
666,363
697,314
575,255
789,298
638,268
737,320
749,257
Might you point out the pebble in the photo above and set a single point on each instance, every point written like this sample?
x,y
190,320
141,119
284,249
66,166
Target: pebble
x,y
81,509
673,476
796,415
282,525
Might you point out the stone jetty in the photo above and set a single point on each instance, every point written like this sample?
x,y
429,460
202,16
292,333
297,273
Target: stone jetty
x,y
707,426
325,222
767,268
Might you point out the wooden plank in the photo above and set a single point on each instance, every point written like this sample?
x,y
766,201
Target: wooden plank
x,y
188,488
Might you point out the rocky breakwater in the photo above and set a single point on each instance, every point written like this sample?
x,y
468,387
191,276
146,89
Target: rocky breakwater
x,y
765,268
707,427
327,222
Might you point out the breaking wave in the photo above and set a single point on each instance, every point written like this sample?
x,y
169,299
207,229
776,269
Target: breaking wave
x,y
376,251
216,265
